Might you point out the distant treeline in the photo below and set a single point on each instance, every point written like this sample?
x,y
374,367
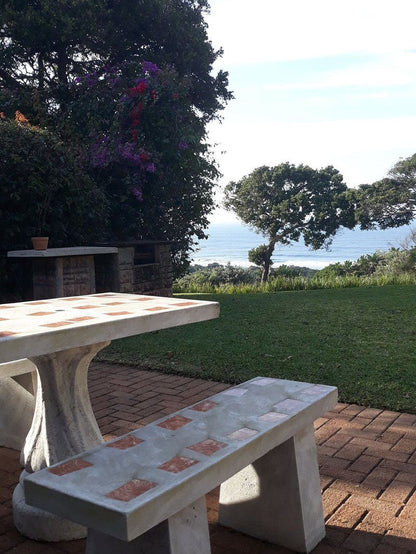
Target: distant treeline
x,y
394,266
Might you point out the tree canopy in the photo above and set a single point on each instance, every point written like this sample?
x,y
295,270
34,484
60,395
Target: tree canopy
x,y
287,202
72,66
43,44
390,202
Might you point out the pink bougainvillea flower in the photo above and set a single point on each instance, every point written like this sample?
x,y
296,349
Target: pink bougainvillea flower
x,y
137,193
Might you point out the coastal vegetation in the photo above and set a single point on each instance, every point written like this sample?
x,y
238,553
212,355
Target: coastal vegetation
x,y
286,203
361,340
394,266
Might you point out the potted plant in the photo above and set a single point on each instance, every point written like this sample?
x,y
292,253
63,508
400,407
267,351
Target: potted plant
x,y
40,241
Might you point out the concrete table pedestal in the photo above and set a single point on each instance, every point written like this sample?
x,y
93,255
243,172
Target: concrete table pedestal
x,y
63,425
59,337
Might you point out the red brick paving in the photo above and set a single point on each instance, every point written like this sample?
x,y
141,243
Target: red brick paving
x,y
367,462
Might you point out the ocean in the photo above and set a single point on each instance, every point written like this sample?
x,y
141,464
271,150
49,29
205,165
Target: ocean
x,y
230,242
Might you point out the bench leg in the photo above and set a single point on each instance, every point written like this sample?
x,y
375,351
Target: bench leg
x,y
278,497
184,533
17,406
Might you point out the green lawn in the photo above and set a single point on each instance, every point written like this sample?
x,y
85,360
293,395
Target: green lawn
x,y
362,340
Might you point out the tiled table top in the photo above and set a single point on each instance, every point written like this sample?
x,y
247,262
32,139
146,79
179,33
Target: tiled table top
x,y
143,467
44,326
63,252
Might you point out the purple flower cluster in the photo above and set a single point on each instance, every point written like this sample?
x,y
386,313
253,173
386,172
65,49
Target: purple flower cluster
x,y
127,153
138,193
151,68
100,152
140,159
106,73
123,146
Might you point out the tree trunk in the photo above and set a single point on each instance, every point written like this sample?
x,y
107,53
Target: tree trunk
x,y
268,261
62,65
41,72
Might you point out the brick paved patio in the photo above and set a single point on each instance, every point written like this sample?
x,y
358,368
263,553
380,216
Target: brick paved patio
x,y
367,462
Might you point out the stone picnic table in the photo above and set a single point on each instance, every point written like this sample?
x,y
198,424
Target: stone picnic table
x,y
61,336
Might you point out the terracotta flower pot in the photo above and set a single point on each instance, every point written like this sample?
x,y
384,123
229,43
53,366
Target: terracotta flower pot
x,y
40,243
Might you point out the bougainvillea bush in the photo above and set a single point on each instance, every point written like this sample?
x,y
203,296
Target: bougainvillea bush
x,y
144,145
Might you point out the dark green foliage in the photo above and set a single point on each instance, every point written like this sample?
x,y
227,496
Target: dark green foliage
x,y
172,199
390,202
45,45
57,39
43,191
287,202
395,261
214,276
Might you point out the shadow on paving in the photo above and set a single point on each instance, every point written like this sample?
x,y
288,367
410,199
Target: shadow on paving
x,y
367,460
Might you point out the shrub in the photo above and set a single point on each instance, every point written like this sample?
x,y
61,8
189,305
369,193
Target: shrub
x,y
43,190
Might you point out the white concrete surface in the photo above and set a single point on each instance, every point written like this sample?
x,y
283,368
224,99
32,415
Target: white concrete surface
x,y
128,486
184,533
63,252
278,498
60,337
16,413
29,329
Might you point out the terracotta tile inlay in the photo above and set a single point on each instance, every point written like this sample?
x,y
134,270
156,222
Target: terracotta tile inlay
x,y
174,422
4,319
289,406
37,303
69,467
125,442
178,464
242,434
234,392
83,318
131,489
157,308
41,313
86,307
142,299
204,406
57,324
185,304
6,307
7,333
118,313
113,303
272,417
208,446
72,298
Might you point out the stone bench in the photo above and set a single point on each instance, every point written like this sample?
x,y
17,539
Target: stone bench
x,y
17,402
145,491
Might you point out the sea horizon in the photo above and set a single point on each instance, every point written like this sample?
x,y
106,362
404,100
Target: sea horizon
x,y
229,242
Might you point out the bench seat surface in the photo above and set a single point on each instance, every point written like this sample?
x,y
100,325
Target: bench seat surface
x,y
128,485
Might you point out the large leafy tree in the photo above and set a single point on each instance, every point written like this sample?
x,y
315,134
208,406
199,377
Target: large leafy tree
x,y
43,43
390,202
288,202
46,45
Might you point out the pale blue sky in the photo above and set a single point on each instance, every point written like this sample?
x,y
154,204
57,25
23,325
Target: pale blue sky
x,y
320,82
